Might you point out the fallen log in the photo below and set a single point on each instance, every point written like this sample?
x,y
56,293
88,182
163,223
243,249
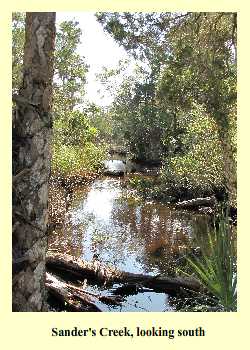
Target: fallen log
x,y
197,202
80,269
161,283
99,273
68,297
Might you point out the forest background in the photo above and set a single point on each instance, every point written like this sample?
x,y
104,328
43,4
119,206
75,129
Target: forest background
x,y
230,322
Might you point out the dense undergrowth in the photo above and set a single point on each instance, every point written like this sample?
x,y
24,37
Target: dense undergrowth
x,y
178,107
69,160
193,166
77,148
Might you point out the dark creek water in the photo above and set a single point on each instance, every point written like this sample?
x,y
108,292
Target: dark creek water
x,y
106,222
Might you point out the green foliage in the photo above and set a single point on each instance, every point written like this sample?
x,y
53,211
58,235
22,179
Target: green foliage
x,y
203,62
99,120
70,160
186,67
142,185
75,146
76,130
216,268
197,169
18,33
139,33
190,58
70,70
137,122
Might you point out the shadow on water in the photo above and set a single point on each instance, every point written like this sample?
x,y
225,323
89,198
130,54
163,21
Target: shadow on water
x,y
105,222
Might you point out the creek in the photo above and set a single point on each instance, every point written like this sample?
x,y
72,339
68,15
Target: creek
x,y
106,222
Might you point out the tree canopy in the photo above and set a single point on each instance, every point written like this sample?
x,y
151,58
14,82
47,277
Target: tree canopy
x,y
191,61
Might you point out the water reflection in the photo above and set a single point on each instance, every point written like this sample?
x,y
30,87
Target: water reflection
x,y
104,222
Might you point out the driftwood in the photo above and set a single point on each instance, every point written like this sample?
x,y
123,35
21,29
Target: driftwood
x,y
80,269
194,203
160,283
99,273
72,299
75,298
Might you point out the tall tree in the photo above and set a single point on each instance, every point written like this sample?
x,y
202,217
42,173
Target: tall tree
x,y
137,121
32,125
68,85
194,56
70,70
202,67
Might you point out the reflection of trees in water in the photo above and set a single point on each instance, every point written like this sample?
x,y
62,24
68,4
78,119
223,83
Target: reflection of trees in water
x,y
144,234
66,239
164,234
63,238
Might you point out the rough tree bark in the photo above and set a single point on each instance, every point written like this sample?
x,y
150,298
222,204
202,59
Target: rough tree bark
x,y
32,129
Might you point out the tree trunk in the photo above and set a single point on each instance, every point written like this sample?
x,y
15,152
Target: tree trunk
x,y
32,130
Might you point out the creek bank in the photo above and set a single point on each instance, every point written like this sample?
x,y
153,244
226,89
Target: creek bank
x,y
104,222
148,184
124,166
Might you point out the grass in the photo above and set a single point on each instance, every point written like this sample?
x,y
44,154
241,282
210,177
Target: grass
x,y
216,268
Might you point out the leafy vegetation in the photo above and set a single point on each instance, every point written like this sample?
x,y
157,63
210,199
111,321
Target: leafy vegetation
x,y
176,110
188,67
216,269
193,165
78,146
72,160
18,32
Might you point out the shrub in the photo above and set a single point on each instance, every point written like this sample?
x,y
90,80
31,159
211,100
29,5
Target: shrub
x,y
69,160
216,268
197,169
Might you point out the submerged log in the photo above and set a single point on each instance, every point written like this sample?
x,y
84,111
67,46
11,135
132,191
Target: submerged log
x,y
161,283
99,273
197,202
106,299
